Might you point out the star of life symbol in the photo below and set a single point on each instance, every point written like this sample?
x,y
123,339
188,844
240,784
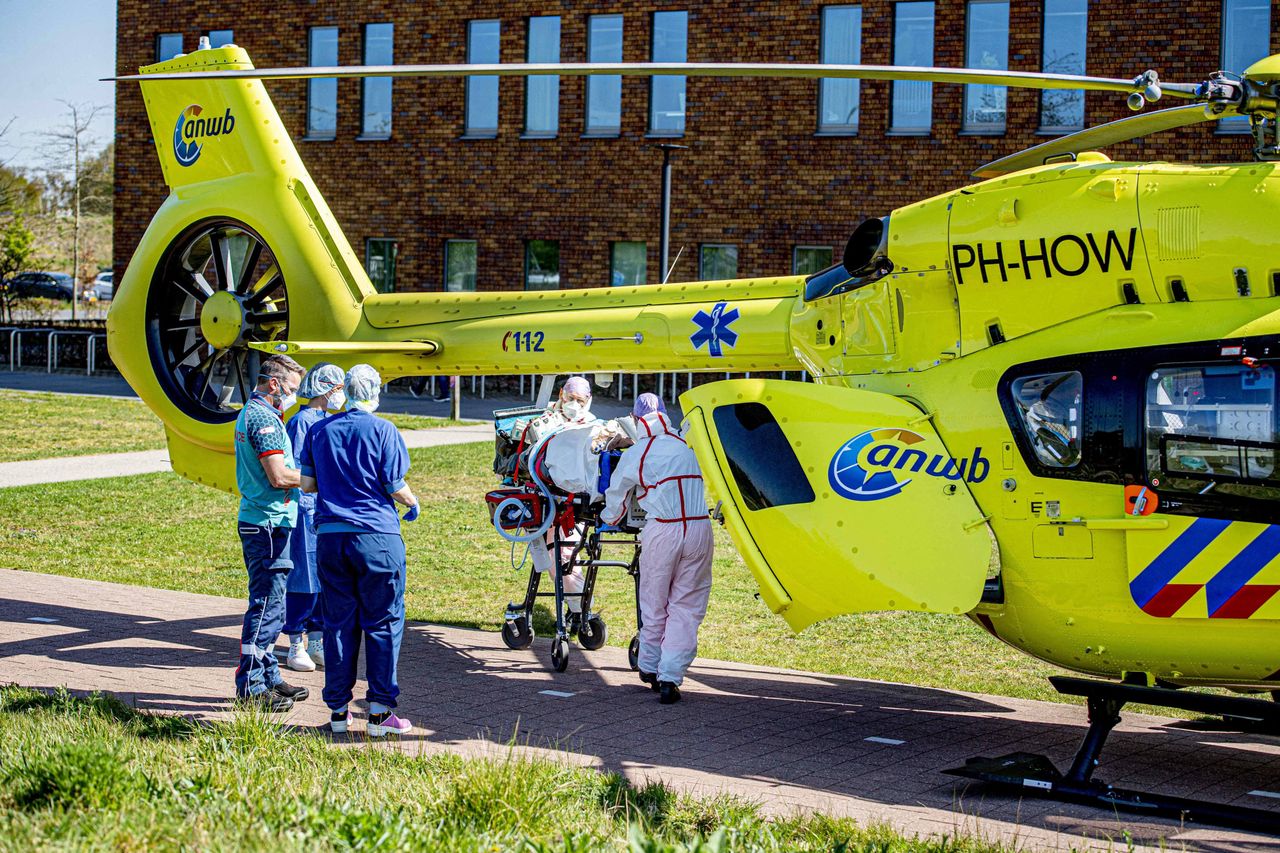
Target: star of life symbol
x,y
713,329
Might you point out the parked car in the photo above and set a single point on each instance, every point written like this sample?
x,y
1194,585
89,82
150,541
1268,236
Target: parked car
x,y
44,285
101,290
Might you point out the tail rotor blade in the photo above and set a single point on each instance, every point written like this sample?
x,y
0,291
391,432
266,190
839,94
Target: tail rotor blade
x,y
1090,139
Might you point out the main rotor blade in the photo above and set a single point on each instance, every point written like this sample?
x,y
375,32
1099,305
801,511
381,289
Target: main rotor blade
x,y
1022,79
1103,135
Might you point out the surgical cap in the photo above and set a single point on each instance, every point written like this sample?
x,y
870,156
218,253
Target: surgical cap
x,y
647,404
320,380
363,384
577,385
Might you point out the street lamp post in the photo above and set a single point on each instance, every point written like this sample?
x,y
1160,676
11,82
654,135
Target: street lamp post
x,y
664,244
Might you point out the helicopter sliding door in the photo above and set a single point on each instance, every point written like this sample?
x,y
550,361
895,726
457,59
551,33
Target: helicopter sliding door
x,y
840,500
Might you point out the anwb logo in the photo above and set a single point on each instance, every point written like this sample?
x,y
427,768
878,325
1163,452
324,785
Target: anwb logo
x,y
879,463
192,126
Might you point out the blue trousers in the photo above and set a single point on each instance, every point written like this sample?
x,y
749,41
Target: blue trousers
x,y
362,592
266,558
302,613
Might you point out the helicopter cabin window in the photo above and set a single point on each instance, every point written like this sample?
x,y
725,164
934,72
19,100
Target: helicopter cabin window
x,y
1246,38
986,47
717,262
542,265
1049,405
221,38
1066,32
807,260
627,262
1212,430
542,93
841,45
483,39
667,93
604,93
168,45
460,266
322,92
376,91
380,262
911,110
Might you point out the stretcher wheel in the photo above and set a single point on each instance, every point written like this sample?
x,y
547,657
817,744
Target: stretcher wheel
x,y
633,653
592,633
517,634
560,654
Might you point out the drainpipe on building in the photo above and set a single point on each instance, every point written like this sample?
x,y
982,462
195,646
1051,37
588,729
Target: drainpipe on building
x,y
664,244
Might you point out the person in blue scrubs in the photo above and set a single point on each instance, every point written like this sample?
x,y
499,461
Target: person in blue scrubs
x,y
322,388
356,463
268,482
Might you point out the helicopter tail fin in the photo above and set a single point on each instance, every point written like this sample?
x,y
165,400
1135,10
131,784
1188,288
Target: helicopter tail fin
x,y
207,130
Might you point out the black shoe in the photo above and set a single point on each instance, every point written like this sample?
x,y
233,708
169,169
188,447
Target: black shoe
x,y
269,701
288,691
441,399
668,693
650,679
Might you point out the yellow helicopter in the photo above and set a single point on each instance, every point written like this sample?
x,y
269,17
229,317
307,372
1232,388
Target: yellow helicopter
x,y
1045,400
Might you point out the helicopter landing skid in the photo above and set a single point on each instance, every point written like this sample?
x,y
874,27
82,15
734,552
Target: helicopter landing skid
x,y
1037,774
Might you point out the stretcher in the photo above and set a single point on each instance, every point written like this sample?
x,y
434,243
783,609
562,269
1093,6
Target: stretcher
x,y
531,508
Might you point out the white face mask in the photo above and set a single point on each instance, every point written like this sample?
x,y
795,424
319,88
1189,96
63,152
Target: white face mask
x,y
573,409
287,401
337,399
369,406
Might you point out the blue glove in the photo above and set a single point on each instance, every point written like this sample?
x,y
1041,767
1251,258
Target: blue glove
x,y
411,514
608,528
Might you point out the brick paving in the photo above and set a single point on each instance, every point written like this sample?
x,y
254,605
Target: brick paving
x,y
787,740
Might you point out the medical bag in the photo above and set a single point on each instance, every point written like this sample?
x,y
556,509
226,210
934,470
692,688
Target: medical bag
x,y
608,463
516,508
509,437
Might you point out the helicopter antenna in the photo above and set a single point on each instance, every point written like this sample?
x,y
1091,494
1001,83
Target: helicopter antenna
x,y
673,265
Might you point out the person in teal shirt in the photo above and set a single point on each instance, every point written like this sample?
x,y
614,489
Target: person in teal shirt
x,y
268,480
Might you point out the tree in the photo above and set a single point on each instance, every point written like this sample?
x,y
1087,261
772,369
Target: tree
x,y
17,245
66,147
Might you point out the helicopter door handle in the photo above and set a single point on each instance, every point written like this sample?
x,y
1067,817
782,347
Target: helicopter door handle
x,y
1127,523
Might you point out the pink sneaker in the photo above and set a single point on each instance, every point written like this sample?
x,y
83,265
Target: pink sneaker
x,y
388,724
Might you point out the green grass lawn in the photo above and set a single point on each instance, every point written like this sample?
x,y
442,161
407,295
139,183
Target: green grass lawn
x,y
90,773
72,425
76,424
160,530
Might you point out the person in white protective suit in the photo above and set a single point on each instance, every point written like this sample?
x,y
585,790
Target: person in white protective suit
x,y
574,407
676,544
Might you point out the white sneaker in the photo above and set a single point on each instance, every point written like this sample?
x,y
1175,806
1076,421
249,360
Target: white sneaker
x,y
388,724
299,660
315,650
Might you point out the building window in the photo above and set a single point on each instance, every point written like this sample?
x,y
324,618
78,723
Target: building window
x,y
667,94
168,45
221,38
483,38
627,264
807,260
376,111
542,94
604,93
1066,32
322,93
986,47
380,262
912,101
841,45
1246,38
717,262
460,266
542,265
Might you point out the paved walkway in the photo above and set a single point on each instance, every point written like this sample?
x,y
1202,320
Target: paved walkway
x,y
788,740
100,465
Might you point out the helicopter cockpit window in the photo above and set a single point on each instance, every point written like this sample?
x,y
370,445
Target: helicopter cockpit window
x,y
1212,429
1049,405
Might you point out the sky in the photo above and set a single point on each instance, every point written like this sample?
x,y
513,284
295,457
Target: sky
x,y
54,49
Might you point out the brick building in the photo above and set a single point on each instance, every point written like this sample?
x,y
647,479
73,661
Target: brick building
x,y
510,184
